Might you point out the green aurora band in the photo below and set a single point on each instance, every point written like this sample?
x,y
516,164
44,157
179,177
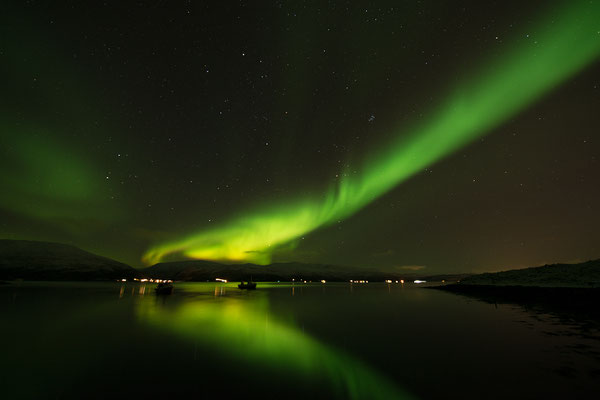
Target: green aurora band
x,y
565,42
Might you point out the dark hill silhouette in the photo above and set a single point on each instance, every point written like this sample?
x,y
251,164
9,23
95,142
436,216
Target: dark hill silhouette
x,y
31,260
582,275
568,291
197,270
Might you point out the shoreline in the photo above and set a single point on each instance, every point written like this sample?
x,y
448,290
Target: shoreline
x,y
570,300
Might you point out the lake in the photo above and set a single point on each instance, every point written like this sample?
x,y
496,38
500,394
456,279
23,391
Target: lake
x,y
332,340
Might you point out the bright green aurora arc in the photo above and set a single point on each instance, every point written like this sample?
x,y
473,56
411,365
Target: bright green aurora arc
x,y
566,41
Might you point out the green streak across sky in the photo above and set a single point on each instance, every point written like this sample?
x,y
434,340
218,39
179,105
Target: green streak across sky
x,y
562,44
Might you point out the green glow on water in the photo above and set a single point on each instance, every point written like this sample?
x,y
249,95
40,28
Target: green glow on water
x,y
561,45
245,330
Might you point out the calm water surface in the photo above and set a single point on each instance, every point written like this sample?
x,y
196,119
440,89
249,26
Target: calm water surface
x,y
334,340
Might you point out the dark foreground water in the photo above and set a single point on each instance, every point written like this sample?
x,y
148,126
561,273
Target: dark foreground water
x,y
374,341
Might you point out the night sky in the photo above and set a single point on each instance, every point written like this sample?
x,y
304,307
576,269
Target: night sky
x,y
427,136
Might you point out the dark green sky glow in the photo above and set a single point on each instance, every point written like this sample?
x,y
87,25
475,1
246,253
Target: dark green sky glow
x,y
307,133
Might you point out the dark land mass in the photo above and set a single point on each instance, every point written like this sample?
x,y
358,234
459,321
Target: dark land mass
x,y
582,275
196,270
206,270
32,260
568,291
44,261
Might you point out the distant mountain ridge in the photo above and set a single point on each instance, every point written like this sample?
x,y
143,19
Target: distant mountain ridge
x,y
198,270
582,275
32,260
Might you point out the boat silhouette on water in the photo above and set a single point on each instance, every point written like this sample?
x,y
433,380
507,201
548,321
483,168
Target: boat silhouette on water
x,y
247,285
164,288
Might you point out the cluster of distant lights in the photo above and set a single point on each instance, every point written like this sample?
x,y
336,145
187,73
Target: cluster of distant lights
x,y
388,281
305,281
222,280
364,281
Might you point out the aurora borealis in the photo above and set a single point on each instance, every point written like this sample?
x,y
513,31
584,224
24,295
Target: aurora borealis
x,y
449,137
511,84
